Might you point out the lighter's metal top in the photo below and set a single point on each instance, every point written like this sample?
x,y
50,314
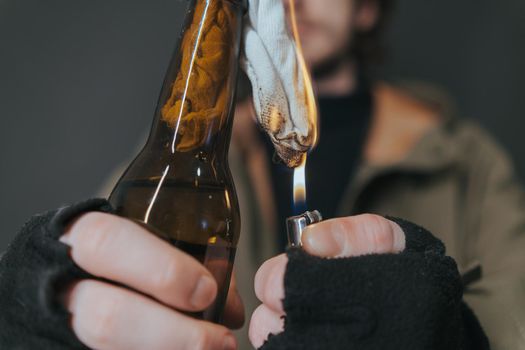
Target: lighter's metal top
x,y
295,226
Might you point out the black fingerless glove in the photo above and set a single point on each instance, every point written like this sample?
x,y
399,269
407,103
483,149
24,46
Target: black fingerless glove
x,y
33,271
411,300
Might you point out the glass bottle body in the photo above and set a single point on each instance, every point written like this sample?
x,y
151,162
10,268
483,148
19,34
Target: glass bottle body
x,y
180,186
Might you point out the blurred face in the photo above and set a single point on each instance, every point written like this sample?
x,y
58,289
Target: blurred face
x,y
326,27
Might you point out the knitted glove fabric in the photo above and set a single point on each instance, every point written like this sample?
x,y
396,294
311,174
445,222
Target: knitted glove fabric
x,y
33,271
411,300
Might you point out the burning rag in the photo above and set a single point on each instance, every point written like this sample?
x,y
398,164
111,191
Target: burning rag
x,y
279,80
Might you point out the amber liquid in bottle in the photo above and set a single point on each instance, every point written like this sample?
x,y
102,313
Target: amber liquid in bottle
x,y
180,186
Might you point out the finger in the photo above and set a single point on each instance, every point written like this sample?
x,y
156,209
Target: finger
x,y
354,236
234,309
264,322
107,317
120,250
269,283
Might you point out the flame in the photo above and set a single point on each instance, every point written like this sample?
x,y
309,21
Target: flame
x,y
299,184
299,178
307,83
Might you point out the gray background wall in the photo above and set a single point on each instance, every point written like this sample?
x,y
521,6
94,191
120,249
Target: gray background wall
x,y
79,81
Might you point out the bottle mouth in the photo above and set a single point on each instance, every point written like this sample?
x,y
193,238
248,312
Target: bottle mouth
x,y
242,3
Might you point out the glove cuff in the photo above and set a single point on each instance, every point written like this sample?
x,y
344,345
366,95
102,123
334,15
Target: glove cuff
x,y
409,300
33,272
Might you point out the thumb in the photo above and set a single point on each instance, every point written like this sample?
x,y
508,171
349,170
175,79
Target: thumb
x,y
354,236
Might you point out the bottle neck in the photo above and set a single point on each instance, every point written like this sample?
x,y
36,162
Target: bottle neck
x,y
195,108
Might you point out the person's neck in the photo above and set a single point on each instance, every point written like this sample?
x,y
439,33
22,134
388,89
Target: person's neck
x,y
337,81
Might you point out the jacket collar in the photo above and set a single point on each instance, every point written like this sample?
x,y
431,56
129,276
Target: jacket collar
x,y
436,150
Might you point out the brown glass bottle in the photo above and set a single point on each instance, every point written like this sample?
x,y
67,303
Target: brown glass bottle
x,y
180,186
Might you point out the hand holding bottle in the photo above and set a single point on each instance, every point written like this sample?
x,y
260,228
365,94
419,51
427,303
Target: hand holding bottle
x,y
150,288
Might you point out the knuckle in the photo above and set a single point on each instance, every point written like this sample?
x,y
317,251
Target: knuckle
x,y
344,233
202,339
165,279
96,234
270,276
256,320
380,234
261,277
274,291
343,226
105,317
95,313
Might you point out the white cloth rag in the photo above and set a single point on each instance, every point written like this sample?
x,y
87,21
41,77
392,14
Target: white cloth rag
x,y
279,91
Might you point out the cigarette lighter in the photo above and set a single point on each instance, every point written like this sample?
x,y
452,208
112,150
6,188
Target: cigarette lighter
x,y
295,226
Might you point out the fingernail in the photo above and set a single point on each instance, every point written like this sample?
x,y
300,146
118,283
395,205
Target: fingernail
x,y
399,238
204,292
230,343
321,244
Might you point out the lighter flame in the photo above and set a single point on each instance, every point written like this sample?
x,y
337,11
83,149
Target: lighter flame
x,y
299,177
309,90
299,183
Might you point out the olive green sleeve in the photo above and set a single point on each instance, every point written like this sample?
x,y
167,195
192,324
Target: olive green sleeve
x,y
496,239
